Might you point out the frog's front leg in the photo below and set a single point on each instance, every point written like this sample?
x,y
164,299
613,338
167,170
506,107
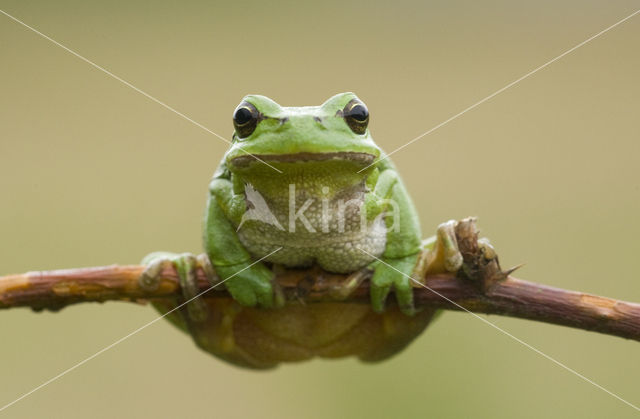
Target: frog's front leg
x,y
395,269
186,265
249,283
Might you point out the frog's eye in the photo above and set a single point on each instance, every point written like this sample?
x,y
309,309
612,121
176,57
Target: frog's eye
x,y
245,119
356,115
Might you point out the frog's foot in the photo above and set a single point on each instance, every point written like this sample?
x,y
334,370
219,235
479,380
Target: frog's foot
x,y
456,248
481,263
396,274
185,265
447,246
440,252
251,285
343,289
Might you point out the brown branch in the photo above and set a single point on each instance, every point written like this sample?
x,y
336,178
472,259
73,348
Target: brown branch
x,y
509,297
480,287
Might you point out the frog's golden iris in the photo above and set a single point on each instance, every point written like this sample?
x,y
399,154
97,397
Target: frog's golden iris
x,y
357,116
245,119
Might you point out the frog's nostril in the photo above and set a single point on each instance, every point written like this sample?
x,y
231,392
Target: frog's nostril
x,y
283,120
317,119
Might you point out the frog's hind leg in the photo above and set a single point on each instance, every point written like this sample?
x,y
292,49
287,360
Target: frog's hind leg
x,y
441,251
344,289
186,265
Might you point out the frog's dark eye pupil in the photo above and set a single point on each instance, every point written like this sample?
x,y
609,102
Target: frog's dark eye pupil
x,y
243,115
359,113
356,115
245,119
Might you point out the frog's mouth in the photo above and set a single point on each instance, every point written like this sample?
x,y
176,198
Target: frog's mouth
x,y
364,159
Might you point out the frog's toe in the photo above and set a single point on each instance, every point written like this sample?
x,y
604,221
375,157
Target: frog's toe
x,y
379,293
264,294
488,251
251,286
185,265
447,235
242,292
156,258
453,262
404,295
396,274
154,264
244,297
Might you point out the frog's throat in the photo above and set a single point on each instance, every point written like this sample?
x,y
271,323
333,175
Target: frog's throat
x,y
357,157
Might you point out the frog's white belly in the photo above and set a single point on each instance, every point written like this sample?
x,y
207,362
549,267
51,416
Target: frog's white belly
x,y
334,242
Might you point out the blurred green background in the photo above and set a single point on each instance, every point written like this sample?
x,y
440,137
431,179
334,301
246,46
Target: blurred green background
x,y
93,173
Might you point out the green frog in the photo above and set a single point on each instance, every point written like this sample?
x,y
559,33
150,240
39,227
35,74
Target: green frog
x,y
301,187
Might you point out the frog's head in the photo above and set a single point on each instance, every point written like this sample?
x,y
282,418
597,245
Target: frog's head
x,y
334,132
